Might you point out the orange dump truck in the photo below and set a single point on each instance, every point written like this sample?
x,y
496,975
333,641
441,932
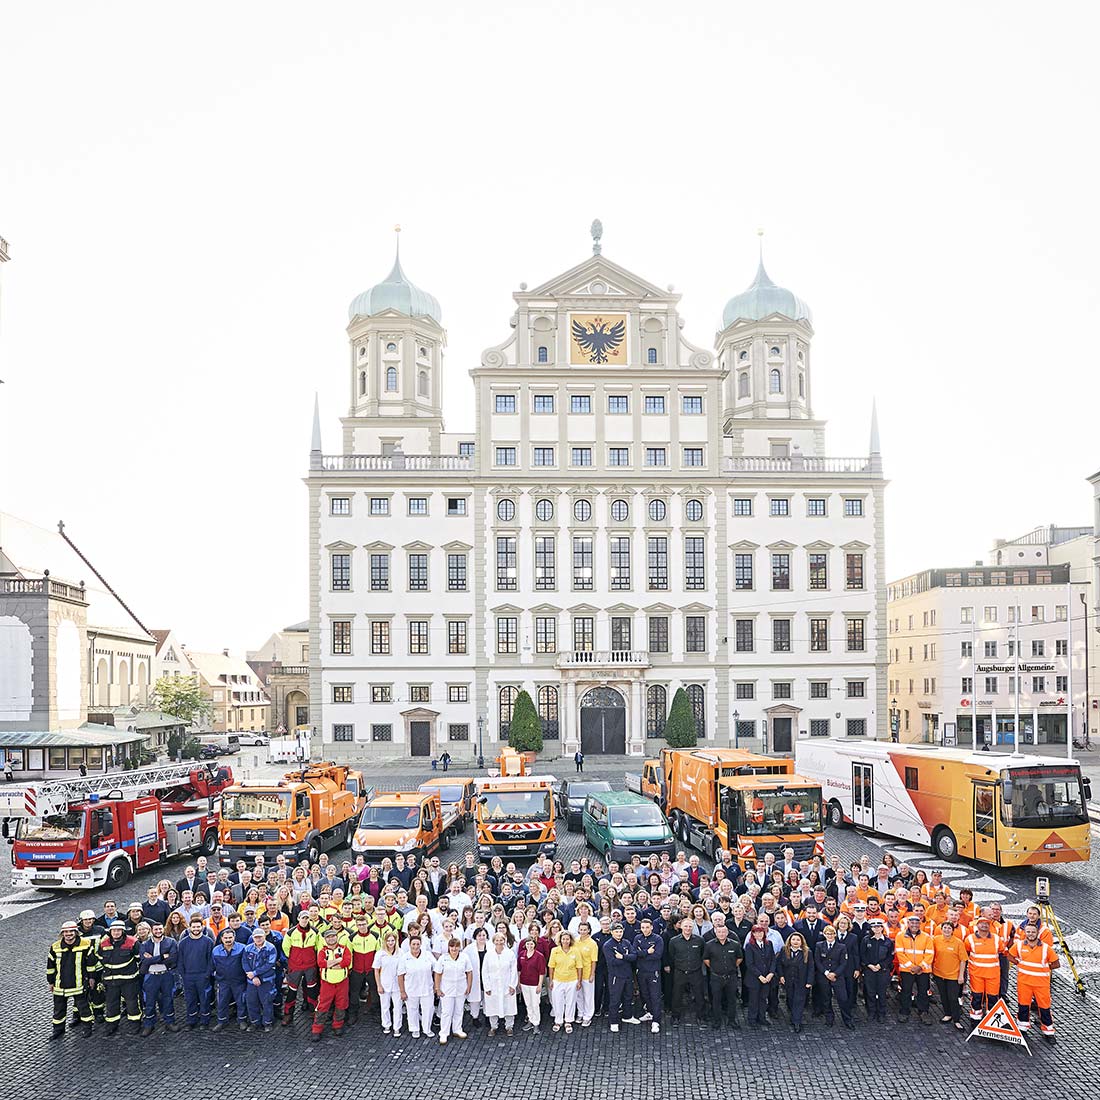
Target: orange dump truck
x,y
306,813
741,801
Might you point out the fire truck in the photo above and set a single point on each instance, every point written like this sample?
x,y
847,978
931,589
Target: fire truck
x,y
77,834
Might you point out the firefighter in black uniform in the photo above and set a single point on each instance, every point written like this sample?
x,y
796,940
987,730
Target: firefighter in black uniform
x,y
71,969
87,928
118,955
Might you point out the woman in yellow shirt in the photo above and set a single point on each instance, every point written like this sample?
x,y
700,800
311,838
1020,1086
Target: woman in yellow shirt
x,y
565,968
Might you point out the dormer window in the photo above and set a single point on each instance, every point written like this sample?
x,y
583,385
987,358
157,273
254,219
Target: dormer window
x,y
775,382
391,379
543,354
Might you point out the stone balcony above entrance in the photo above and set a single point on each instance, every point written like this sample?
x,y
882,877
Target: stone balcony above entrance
x,y
608,658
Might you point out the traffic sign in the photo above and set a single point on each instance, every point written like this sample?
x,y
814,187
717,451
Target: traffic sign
x,y
999,1024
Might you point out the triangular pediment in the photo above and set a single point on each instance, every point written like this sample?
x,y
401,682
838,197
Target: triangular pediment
x,y
599,278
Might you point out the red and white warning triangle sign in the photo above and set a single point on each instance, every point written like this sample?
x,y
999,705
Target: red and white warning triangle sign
x,y
998,1023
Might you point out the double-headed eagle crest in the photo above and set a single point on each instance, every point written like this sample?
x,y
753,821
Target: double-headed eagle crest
x,y
599,338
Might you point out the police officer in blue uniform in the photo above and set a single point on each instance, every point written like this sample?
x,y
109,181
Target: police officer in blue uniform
x,y
649,950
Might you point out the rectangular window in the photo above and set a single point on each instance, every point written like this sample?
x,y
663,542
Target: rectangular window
x,y
418,506
819,689
458,731
655,456
379,506
779,506
466,449
989,615
341,693
1060,612
620,563
545,563
618,403
695,569
506,456
343,732
781,690
380,638
418,572
853,506
857,689
966,615
506,402
856,638
381,693
857,727
991,649
456,572
546,634
507,573
543,456
953,580
853,574
584,633
657,562
819,727
815,506
341,637
654,404
1038,683
781,572
658,634
339,506
507,634
742,506
580,403
991,685
819,571
544,403
1012,685
381,732
583,572
744,691
341,572
781,635
911,783
1061,683
418,636
1038,613
1038,649
581,456
695,633
456,506
819,635
692,405
458,693
693,456
966,685
744,631
966,649
420,693
456,636
618,456
742,572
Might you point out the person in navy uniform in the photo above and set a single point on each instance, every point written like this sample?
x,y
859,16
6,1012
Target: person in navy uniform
x,y
649,950
877,959
260,962
760,961
157,962
830,968
723,958
620,956
684,959
228,962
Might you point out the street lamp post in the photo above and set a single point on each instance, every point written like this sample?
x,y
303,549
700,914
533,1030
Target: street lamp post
x,y
1085,608
894,716
736,738
480,732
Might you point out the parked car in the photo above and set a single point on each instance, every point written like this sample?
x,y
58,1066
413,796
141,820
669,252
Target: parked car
x,y
260,740
621,824
211,752
571,796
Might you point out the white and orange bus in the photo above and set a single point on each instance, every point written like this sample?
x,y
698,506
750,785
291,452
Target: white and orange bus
x,y
1006,810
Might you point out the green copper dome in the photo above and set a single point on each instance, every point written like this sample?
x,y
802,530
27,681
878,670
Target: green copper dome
x,y
397,293
762,299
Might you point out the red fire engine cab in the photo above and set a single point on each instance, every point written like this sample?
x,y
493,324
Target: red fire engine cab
x,y
81,833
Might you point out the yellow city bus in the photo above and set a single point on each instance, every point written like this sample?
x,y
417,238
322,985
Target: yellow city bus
x,y
1010,811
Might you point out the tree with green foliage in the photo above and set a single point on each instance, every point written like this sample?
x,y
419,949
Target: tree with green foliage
x,y
183,699
680,732
525,731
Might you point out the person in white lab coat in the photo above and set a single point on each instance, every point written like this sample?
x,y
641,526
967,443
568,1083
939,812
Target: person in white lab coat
x,y
453,978
414,976
386,960
500,979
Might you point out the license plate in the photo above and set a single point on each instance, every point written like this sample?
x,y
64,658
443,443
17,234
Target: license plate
x,y
517,847
1049,846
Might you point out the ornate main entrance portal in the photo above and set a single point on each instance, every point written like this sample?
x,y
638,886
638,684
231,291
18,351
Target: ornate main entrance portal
x,y
603,722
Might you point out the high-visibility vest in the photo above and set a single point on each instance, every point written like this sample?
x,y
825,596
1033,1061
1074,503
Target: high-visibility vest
x,y
914,953
1044,934
984,954
84,961
1035,961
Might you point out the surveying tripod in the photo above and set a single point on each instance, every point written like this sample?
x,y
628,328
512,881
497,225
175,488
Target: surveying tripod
x,y
1046,911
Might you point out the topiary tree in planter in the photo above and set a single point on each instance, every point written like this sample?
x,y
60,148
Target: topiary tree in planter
x,y
525,733
680,732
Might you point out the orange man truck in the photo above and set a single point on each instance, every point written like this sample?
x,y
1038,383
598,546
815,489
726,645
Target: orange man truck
x,y
743,802
515,817
405,822
306,813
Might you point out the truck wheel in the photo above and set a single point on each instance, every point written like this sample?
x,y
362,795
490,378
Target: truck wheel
x,y
944,844
349,833
685,831
445,840
209,844
462,824
118,874
834,815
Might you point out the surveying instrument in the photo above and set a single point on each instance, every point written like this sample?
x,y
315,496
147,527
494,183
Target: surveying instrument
x,y
1046,911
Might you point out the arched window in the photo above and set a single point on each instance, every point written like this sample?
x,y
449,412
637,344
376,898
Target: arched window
x,y
391,347
743,384
391,379
422,384
774,350
504,711
801,385
544,354
698,700
548,712
362,353
362,382
423,353
651,355
742,356
656,711
775,381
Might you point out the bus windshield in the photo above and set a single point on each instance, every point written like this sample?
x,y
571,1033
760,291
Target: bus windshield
x,y
517,805
256,806
787,811
1042,798
66,826
390,817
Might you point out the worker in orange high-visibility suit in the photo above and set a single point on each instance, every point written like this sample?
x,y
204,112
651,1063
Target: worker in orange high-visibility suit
x,y
1034,961
984,951
1005,931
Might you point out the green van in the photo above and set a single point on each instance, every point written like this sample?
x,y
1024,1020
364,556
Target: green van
x,y
620,824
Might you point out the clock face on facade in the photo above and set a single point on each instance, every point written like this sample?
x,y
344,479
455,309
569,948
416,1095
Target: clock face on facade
x,y
597,338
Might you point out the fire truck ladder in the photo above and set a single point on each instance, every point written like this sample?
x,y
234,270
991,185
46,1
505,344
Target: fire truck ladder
x,y
46,798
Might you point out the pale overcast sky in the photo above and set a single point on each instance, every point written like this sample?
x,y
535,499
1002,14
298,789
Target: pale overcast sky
x,y
192,195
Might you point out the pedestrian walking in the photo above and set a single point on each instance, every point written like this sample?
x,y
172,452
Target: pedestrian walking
x,y
445,759
578,760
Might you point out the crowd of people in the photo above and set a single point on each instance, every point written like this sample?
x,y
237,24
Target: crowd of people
x,y
432,950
